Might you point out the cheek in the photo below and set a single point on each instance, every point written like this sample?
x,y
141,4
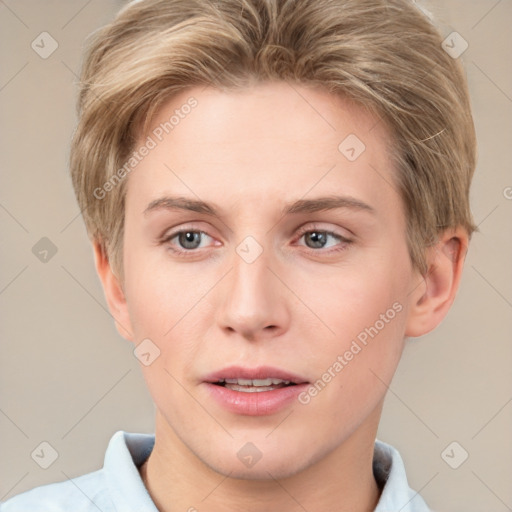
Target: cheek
x,y
355,300
157,293
166,304
363,317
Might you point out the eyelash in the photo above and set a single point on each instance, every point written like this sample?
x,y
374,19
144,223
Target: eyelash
x,y
184,253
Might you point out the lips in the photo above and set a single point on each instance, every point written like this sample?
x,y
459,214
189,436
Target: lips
x,y
254,391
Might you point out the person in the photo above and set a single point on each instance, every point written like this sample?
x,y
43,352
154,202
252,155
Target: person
x,y
277,193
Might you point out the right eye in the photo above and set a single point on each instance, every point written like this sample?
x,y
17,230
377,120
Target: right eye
x,y
185,240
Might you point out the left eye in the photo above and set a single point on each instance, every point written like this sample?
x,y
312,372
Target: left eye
x,y
318,239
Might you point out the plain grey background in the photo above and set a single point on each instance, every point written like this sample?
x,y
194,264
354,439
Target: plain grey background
x,y
68,379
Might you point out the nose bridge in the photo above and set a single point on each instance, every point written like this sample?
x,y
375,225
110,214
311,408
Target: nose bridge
x,y
252,302
250,272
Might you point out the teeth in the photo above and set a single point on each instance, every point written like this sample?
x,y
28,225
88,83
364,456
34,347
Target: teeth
x,y
249,389
240,382
263,382
255,382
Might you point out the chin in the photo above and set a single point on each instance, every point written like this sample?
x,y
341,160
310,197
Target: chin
x,y
260,472
248,463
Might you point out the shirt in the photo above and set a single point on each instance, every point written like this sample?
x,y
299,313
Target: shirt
x,y
118,487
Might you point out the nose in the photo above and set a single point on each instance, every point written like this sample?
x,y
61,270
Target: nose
x,y
254,301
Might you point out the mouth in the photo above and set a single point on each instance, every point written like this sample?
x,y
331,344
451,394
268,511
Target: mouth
x,y
260,391
254,380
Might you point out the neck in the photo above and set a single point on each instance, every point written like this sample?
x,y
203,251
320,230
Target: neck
x,y
341,481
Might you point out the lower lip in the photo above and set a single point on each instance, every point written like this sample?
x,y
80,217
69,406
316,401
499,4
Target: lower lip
x,y
258,403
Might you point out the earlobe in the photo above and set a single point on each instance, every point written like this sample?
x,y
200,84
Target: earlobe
x,y
114,293
431,300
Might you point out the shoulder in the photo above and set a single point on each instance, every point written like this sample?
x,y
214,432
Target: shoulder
x,y
82,494
117,486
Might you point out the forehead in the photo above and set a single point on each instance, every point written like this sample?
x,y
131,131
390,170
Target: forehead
x,y
268,140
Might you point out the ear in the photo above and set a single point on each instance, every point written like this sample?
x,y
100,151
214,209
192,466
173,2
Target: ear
x,y
114,292
434,295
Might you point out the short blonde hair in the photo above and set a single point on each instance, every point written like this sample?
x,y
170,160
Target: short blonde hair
x,y
383,54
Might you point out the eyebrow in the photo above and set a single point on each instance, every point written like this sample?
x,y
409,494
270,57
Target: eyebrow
x,y
300,206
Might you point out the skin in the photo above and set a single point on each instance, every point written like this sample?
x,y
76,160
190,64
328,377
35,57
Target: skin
x,y
297,306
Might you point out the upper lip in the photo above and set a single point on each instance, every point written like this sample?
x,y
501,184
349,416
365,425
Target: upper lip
x,y
260,372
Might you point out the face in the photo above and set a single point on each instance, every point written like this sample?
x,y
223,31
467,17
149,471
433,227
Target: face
x,y
262,243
